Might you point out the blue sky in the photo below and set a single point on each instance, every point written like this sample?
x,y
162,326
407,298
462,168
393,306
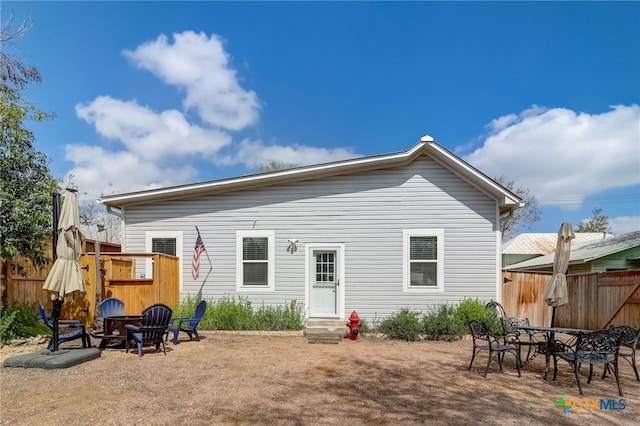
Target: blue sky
x,y
152,94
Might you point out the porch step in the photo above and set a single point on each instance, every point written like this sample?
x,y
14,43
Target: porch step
x,y
325,330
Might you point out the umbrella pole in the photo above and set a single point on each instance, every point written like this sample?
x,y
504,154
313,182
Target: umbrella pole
x,y
57,307
57,303
553,315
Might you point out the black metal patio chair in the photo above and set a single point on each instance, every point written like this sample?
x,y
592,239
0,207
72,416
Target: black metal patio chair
x,y
512,335
594,348
629,337
484,340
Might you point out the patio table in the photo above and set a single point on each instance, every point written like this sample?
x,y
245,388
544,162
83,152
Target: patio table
x,y
115,328
550,335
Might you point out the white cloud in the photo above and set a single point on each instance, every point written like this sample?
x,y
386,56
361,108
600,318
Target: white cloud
x,y
151,135
99,171
149,148
563,156
200,65
252,153
624,224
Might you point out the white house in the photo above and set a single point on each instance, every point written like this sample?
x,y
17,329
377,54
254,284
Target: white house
x,y
375,234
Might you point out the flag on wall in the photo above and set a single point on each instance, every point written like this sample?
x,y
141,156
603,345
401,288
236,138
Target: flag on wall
x,y
195,261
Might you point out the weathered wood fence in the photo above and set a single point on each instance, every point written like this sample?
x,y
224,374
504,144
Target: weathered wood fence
x,y
595,300
139,279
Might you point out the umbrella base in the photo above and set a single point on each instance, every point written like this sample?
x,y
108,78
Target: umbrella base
x,y
48,359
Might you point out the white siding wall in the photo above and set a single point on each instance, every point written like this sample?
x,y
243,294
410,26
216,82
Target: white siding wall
x,y
367,212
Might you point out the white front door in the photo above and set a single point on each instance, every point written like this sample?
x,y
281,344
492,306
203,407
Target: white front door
x,y
324,281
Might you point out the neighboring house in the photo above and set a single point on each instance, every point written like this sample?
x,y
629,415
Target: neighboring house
x,y
618,253
376,234
531,245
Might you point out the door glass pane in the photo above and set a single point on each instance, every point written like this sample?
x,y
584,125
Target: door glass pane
x,y
325,267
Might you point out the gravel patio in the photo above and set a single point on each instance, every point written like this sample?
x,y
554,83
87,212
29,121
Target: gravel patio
x,y
243,378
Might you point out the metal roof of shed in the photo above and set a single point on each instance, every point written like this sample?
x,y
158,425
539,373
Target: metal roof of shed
x,y
545,243
585,252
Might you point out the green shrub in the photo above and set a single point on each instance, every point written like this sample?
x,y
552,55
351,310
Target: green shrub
x,y
404,325
493,321
365,327
231,313
441,323
21,321
470,309
274,318
8,325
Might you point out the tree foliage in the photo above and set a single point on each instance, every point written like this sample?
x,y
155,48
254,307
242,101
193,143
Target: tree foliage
x,y
598,222
26,184
14,73
522,218
272,166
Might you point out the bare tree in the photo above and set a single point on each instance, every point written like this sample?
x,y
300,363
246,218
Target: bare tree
x,y
14,73
521,218
596,223
96,223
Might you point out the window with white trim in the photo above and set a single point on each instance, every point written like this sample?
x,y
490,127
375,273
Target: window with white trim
x,y
167,242
255,260
423,257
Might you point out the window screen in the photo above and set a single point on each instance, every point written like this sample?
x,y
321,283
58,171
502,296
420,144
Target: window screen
x,y
164,245
255,258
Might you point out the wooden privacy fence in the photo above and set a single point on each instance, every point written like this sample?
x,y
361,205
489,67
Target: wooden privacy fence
x,y
595,300
139,279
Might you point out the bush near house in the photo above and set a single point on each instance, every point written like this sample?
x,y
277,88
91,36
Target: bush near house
x,y
231,313
405,325
20,321
442,322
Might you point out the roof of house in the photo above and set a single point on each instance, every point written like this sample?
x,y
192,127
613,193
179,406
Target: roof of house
x,y
585,252
427,146
545,243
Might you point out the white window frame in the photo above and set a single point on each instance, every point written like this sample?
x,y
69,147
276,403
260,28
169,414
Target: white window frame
x,y
149,236
406,268
270,235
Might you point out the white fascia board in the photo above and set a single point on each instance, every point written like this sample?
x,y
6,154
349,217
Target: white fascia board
x,y
263,179
430,147
505,197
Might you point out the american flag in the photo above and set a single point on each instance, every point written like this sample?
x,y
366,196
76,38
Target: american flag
x,y
195,261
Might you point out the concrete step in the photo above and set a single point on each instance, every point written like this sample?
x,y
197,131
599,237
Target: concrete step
x,y
325,330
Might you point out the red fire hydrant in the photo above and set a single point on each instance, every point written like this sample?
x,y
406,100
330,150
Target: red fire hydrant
x,y
354,325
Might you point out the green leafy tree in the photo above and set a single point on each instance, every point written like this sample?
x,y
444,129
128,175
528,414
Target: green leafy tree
x,y
272,166
522,218
596,223
26,184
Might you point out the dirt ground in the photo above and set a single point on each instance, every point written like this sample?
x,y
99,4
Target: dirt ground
x,y
272,379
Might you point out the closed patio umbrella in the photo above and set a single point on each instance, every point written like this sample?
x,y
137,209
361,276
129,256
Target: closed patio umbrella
x,y
556,292
65,277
